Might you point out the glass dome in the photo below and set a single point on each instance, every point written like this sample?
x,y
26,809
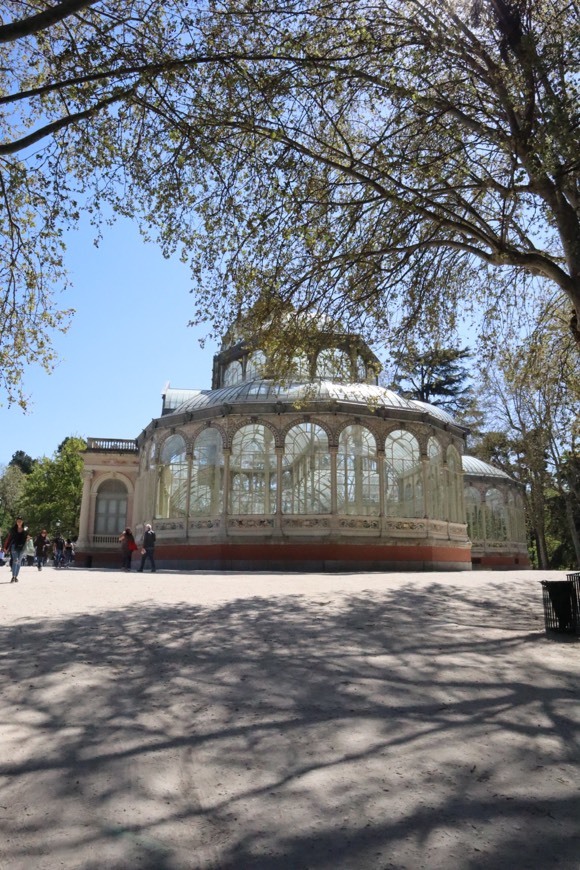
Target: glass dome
x,y
319,391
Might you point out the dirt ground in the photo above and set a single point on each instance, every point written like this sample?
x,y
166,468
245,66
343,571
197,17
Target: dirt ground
x,y
184,721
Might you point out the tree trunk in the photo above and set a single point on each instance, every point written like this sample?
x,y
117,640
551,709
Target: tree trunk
x,y
536,502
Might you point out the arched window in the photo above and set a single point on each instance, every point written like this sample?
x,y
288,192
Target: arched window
x,y
232,374
255,365
172,483
207,475
495,516
334,365
403,475
253,471
306,471
357,473
455,486
435,489
111,508
474,514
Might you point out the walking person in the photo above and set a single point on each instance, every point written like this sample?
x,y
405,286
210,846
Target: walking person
x,y
58,551
17,542
69,553
128,547
148,548
41,548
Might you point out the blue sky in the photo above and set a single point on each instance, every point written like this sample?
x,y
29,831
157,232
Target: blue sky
x,y
128,338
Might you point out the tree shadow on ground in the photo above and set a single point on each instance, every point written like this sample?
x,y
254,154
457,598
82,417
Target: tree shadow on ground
x,y
396,729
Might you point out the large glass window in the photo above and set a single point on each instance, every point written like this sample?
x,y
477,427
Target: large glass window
x,y
403,476
357,473
334,365
172,484
232,374
474,514
306,471
111,508
361,370
435,488
300,367
495,516
255,365
455,486
207,471
253,471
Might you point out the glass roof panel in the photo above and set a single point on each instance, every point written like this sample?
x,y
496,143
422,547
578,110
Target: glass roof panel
x,y
260,390
474,466
433,410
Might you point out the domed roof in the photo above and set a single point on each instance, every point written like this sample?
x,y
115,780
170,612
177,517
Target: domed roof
x,y
258,391
477,467
433,410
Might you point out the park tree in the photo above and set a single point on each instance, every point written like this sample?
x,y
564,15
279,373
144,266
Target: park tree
x,y
61,65
12,480
391,166
23,461
532,398
53,490
438,376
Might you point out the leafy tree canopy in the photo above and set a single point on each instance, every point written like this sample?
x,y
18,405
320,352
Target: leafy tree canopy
x,y
531,395
23,461
53,490
12,480
436,376
391,165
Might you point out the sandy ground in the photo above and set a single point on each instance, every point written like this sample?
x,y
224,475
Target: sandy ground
x,y
202,720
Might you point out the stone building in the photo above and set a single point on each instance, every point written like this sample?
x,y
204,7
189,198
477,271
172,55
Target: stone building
x,y
327,471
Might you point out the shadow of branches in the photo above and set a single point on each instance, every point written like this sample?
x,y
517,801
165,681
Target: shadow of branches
x,y
396,729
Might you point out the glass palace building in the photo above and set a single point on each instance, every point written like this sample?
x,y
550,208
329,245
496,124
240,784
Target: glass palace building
x,y
327,472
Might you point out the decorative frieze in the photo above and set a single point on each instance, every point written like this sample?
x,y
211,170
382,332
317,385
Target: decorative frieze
x,y
170,525
352,523
251,523
205,524
306,523
419,526
437,526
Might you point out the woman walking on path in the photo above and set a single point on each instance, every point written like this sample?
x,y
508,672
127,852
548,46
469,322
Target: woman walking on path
x,y
128,547
16,542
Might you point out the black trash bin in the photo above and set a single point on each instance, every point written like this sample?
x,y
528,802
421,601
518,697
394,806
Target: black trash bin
x,y
562,605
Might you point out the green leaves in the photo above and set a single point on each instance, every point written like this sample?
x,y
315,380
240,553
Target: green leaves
x,y
390,165
52,492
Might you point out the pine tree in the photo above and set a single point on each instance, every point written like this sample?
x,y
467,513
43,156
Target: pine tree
x,y
436,376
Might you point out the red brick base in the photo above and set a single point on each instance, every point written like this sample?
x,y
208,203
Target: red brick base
x,y
292,556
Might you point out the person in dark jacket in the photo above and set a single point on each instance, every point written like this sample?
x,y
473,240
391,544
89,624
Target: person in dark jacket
x,y
17,542
148,548
58,551
41,548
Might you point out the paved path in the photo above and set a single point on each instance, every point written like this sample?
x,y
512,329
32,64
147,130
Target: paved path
x,y
179,721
